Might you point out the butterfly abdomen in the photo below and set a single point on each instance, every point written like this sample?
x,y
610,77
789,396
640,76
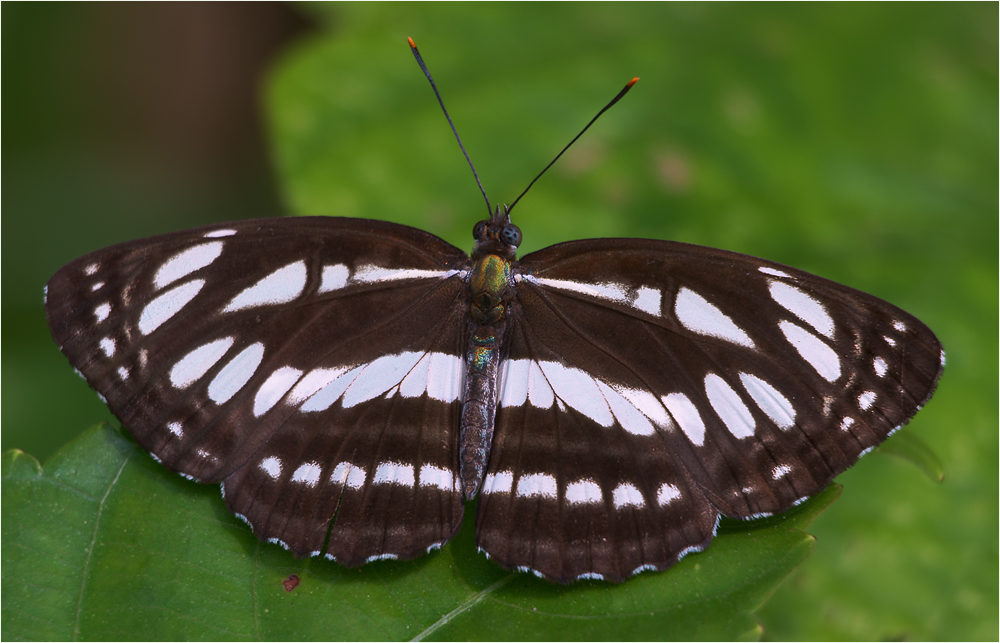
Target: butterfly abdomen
x,y
489,288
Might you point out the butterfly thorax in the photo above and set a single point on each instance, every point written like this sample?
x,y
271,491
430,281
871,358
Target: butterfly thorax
x,y
490,286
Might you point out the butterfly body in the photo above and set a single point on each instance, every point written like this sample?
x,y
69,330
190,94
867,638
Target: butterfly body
x,y
491,288
351,382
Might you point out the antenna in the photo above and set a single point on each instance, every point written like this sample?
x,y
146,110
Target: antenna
x,y
420,61
614,100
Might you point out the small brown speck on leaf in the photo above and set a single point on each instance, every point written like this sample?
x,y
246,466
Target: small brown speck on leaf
x,y
291,582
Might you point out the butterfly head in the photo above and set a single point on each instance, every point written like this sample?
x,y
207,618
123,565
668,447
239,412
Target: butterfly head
x,y
497,235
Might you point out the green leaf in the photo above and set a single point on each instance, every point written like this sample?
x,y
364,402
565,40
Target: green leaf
x,y
908,446
103,543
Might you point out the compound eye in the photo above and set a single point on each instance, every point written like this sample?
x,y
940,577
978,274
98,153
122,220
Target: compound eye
x,y
511,235
479,230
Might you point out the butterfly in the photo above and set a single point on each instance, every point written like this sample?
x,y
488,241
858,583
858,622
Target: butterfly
x,y
352,383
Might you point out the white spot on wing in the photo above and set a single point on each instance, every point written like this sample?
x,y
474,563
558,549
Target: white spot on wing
x,y
686,415
226,232
578,390
501,482
192,366
271,466
693,549
122,373
775,405
184,263
780,471
866,399
648,300
349,475
537,484
773,272
101,312
890,341
609,291
334,277
900,326
167,305
325,397
432,476
628,416
415,382
590,576
274,388
514,382
643,568
281,286
881,368
108,346
846,424
313,382
696,314
539,392
647,404
666,494
234,375
376,274
176,429
626,495
394,473
803,306
583,492
444,376
379,376
308,473
91,269
729,407
812,349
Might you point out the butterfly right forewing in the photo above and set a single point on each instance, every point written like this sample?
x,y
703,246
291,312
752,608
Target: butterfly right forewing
x,y
825,371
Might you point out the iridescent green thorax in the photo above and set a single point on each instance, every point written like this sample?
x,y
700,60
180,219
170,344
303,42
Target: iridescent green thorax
x,y
489,282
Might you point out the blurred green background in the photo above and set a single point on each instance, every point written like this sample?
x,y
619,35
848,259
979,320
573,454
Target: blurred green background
x,y
855,141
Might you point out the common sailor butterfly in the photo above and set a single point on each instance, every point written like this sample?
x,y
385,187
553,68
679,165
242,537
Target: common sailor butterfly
x,y
350,383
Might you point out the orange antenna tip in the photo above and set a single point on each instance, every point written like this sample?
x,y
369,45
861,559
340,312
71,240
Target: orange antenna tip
x,y
630,83
413,45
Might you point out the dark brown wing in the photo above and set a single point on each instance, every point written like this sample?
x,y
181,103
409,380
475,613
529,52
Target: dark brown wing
x,y
312,365
653,385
